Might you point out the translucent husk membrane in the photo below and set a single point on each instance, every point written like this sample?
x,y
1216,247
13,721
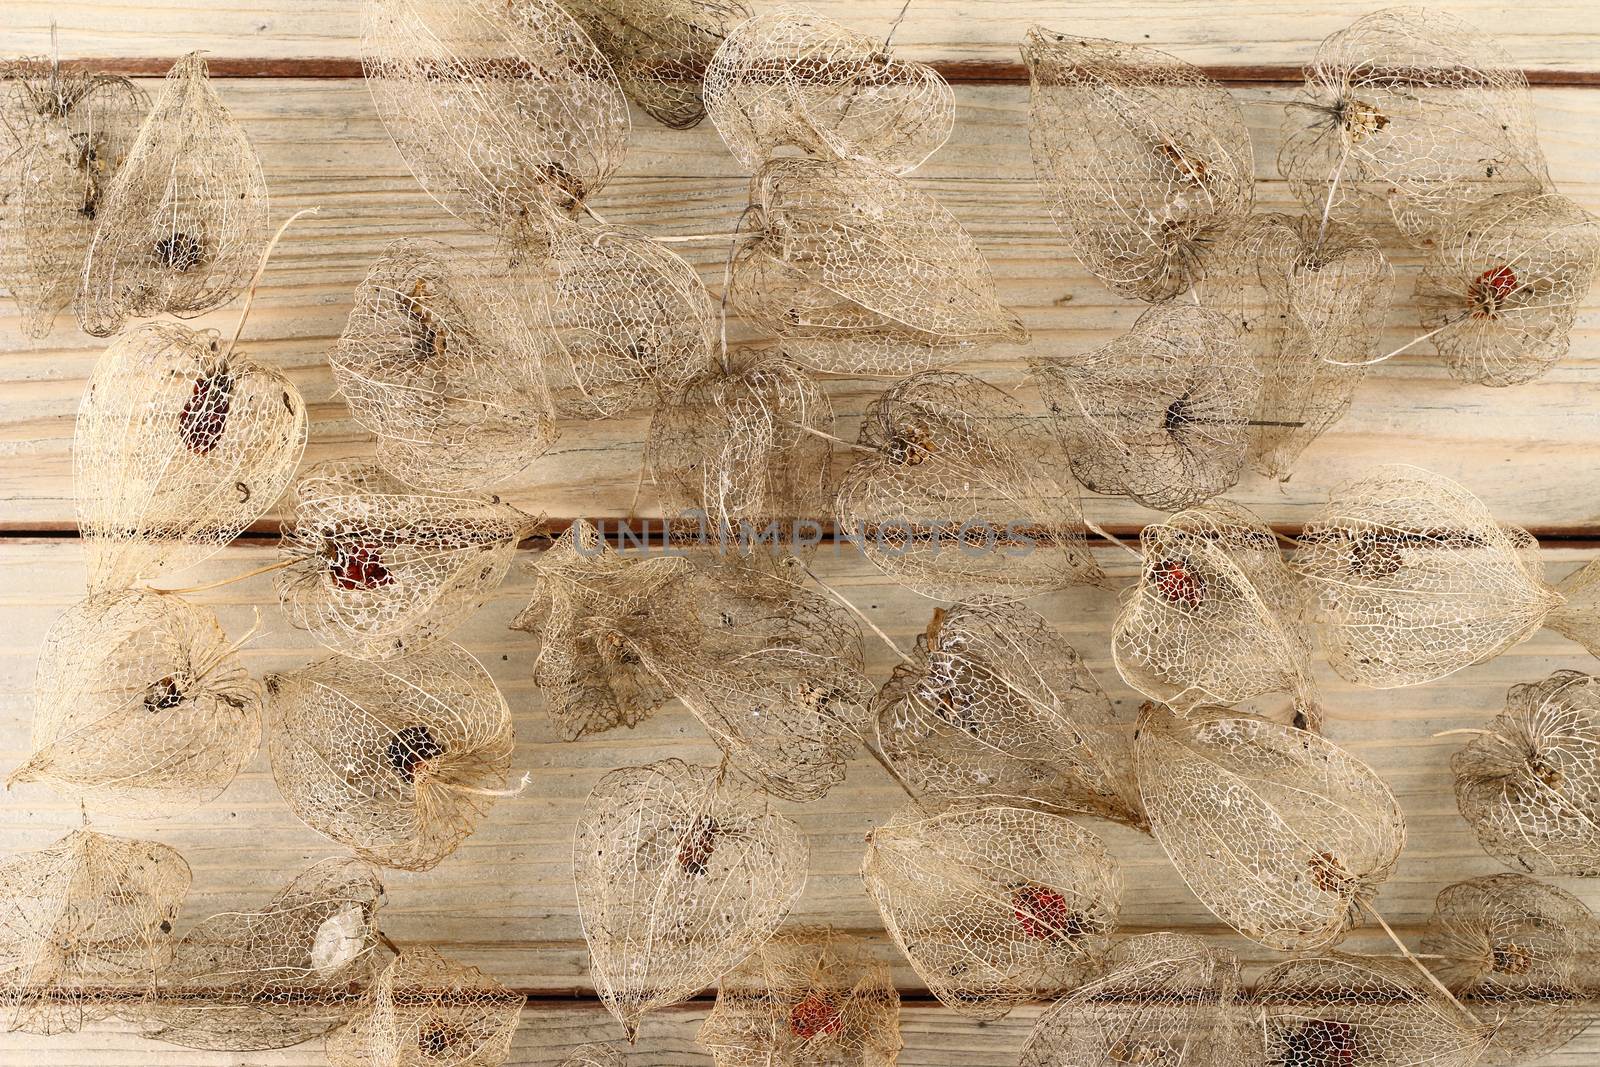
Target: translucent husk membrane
x,y
679,877
742,451
1410,116
996,707
791,79
774,672
64,134
660,48
591,681
441,362
1156,999
142,707
276,976
809,997
1414,579
84,926
1308,304
506,113
396,760
993,906
1283,835
630,321
1332,1008
1217,616
1530,786
1142,158
425,1010
959,496
1522,953
184,222
377,570
180,444
1162,414
858,272
1503,283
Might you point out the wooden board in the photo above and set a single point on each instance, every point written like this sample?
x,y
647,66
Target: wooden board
x,y
1551,35
1532,451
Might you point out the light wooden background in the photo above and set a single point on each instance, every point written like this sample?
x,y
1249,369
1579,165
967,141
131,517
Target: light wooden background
x,y
505,902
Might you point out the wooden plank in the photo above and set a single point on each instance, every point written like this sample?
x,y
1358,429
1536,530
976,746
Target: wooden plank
x,y
1533,451
549,1033
505,900
1554,34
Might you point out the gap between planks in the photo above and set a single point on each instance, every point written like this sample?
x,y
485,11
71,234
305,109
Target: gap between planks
x,y
956,71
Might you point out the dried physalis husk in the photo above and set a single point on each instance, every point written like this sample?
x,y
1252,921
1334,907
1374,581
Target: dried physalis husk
x,y
1157,1000
1162,414
774,673
377,570
743,453
1522,953
1410,115
1530,785
993,906
590,680
84,926
396,760
792,79
438,361
1503,283
428,1011
180,444
996,707
1309,304
1414,579
959,497
660,48
1282,834
1338,1010
505,112
679,877
184,222
141,707
1217,617
63,136
810,997
632,323
597,1054
277,976
859,272
1143,159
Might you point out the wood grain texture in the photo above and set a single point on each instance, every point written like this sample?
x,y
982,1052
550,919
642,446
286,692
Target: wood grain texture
x,y
505,900
1532,451
1553,34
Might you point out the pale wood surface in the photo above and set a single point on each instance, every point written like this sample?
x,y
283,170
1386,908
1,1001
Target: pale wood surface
x,y
1553,34
1533,451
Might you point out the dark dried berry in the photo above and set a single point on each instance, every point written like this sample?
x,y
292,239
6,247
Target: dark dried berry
x,y
181,252
205,414
1321,1043
163,695
410,749
694,855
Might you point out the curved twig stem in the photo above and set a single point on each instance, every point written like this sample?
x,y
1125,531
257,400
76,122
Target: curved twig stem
x,y
267,569
1099,530
883,761
1333,190
858,613
1390,355
1464,730
255,281
856,445
387,942
1408,954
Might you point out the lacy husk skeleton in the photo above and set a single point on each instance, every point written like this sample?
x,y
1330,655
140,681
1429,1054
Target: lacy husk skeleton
x,y
64,134
995,905
398,760
141,706
1142,158
184,222
679,877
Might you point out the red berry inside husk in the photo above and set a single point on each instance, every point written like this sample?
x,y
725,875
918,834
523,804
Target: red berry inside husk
x,y
1177,582
355,564
205,413
814,1015
1045,915
1490,290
